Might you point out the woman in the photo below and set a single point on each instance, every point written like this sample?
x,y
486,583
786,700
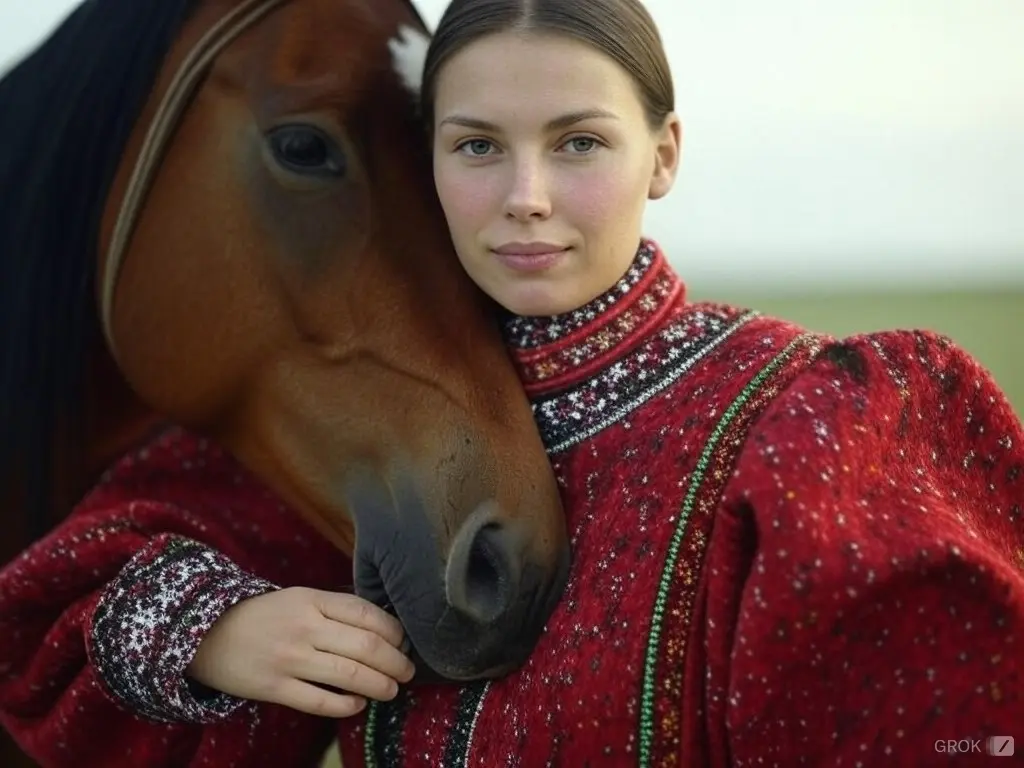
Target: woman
x,y
788,549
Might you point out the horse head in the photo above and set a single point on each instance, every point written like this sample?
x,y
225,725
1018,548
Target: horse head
x,y
271,268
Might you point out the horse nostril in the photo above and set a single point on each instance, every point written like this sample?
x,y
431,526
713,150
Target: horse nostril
x,y
486,580
483,572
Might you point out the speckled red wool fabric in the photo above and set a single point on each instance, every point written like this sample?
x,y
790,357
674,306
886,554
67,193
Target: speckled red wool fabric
x,y
788,550
103,616
864,594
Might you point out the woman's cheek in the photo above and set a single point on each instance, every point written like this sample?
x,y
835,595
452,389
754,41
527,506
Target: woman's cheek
x,y
468,197
595,199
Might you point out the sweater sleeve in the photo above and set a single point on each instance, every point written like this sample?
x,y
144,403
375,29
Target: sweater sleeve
x,y
865,604
99,620
148,623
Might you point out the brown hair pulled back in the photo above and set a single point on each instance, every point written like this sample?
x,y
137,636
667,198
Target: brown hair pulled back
x,y
621,29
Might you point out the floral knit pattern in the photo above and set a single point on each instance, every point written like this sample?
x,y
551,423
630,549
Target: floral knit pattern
x,y
592,367
568,417
151,619
596,319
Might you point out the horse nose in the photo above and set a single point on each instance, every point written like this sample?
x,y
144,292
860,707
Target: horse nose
x,y
482,578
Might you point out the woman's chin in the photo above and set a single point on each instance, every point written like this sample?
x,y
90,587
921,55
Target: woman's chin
x,y
536,298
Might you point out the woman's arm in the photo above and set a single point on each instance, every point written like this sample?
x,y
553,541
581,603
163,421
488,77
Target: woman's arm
x,y
99,620
874,538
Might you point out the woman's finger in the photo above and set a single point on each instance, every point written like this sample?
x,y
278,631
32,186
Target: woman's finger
x,y
365,647
314,700
346,674
357,612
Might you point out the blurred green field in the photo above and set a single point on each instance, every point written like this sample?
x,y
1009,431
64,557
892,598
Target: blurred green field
x,y
989,325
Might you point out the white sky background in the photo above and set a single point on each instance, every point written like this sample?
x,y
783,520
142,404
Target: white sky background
x,y
853,141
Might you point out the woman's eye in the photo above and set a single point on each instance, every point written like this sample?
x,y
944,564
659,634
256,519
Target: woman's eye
x,y
306,150
582,144
476,147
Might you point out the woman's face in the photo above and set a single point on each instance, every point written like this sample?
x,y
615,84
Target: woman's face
x,y
544,161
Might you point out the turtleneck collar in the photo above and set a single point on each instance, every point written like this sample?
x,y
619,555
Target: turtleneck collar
x,y
557,352
593,367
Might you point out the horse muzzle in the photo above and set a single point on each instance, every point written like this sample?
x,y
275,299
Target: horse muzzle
x,y
473,603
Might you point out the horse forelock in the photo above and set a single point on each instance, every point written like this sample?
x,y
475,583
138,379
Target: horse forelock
x,y
409,55
69,109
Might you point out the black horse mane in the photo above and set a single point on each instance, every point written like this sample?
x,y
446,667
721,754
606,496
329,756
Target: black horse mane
x,y
67,112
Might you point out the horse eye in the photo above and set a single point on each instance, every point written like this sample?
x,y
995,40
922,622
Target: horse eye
x,y
306,150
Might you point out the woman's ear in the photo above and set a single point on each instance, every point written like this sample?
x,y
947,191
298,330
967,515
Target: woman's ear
x,y
667,152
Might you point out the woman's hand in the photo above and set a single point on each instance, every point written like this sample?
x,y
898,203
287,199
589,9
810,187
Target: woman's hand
x,y
282,646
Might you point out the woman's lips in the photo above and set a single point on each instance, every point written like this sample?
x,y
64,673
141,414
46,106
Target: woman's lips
x,y
531,258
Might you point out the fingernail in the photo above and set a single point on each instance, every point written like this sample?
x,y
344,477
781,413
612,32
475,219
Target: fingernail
x,y
406,645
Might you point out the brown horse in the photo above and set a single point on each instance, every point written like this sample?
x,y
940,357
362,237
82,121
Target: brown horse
x,y
230,225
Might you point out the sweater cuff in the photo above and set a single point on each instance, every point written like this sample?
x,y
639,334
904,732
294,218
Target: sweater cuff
x,y
150,620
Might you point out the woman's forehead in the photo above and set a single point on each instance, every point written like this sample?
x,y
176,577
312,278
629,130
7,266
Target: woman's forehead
x,y
529,76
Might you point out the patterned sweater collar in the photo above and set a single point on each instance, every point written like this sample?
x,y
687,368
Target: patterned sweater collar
x,y
592,368
559,352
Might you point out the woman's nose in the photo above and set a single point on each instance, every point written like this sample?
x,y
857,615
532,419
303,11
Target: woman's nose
x,y
528,196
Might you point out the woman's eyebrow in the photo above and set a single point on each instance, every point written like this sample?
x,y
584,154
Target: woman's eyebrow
x,y
560,122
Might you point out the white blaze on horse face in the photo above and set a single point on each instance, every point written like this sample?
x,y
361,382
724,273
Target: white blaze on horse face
x,y
409,52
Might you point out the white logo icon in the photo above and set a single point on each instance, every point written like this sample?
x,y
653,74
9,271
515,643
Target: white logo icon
x,y
999,746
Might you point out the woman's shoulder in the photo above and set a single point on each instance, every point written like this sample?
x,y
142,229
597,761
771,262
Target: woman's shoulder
x,y
912,368
783,388
895,430
903,391
897,437
911,384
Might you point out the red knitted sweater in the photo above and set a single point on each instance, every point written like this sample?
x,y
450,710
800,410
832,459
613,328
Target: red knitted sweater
x,y
788,549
